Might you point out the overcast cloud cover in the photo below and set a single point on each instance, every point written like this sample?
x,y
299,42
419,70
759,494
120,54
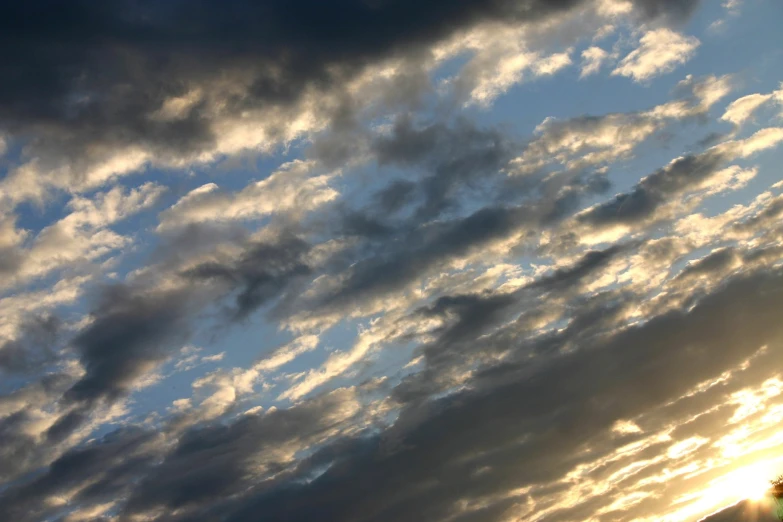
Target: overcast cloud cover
x,y
390,260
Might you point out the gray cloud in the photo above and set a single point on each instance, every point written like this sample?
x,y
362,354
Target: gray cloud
x,y
522,422
112,460
34,348
399,262
131,82
130,334
260,274
455,159
653,191
22,450
500,404
533,425
257,445
416,247
480,315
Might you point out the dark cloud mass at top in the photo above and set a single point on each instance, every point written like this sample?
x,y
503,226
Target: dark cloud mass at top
x,y
387,260
86,73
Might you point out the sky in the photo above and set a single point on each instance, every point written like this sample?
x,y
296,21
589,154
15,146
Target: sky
x,y
383,260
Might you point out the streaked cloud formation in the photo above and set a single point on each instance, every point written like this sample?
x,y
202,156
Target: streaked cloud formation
x,y
480,260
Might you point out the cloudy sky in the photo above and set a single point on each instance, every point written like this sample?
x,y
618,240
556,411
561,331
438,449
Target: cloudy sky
x,y
390,260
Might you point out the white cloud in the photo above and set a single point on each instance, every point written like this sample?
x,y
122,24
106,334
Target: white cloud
x,y
660,51
709,90
502,58
14,308
112,206
742,109
82,236
292,188
392,325
176,108
759,141
34,179
510,70
592,59
595,140
551,64
732,10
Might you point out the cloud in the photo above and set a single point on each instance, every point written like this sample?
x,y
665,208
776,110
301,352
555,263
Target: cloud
x,y
33,349
230,89
660,51
563,404
496,70
18,309
182,85
588,140
231,454
592,59
536,400
657,195
742,109
452,351
732,10
454,159
129,335
82,236
260,274
290,189
117,457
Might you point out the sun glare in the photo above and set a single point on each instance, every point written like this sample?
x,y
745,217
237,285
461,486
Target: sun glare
x,y
750,483
755,490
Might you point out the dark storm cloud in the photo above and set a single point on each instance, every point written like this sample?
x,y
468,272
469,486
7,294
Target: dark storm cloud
x,y
674,10
446,164
260,274
717,261
81,72
526,421
130,334
655,190
21,450
412,227
18,447
476,312
532,426
113,460
134,329
363,225
407,257
720,263
417,246
477,315
10,260
711,139
33,349
455,159
592,261
103,68
452,164
395,195
256,444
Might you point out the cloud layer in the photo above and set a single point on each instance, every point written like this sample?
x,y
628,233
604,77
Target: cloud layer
x,y
474,260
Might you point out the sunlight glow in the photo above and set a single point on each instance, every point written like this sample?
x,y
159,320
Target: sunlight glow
x,y
748,483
